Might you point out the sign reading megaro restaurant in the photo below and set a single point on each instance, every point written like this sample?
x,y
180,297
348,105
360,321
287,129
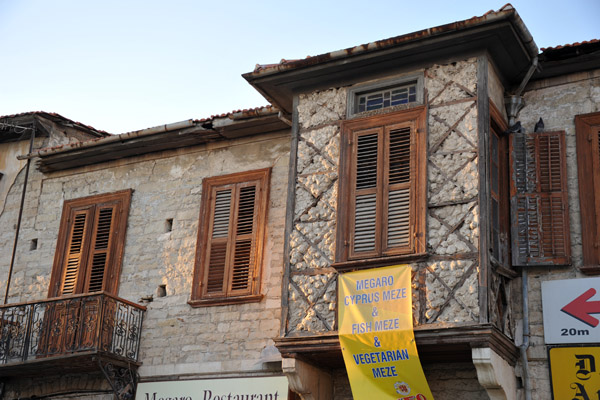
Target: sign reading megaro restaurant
x,y
268,388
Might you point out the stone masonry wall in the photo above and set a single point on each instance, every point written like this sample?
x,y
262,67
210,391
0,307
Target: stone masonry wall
x,y
445,286
557,101
176,338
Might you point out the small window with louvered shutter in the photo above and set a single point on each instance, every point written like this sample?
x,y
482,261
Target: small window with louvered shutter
x,y
538,199
383,187
588,172
90,244
230,237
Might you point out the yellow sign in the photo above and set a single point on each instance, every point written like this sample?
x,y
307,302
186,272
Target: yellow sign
x,y
575,372
376,335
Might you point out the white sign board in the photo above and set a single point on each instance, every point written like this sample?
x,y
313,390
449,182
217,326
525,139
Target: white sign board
x,y
267,388
571,311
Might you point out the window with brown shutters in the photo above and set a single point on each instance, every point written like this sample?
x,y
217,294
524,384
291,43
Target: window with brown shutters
x,y
539,203
90,244
230,239
588,172
382,187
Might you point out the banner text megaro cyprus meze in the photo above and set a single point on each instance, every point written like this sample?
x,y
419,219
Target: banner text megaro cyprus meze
x,y
376,297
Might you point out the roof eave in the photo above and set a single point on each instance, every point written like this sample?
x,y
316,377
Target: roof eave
x,y
161,138
502,34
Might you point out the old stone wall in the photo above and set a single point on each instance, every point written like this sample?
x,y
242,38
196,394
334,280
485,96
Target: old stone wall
x,y
445,286
176,338
11,188
557,101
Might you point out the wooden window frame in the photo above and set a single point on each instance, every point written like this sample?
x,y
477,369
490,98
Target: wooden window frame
x,y
501,236
121,200
416,119
200,297
587,127
354,93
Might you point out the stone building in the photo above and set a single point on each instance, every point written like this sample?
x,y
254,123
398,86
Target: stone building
x,y
416,138
431,143
116,222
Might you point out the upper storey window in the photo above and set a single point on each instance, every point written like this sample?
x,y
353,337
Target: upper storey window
x,y
230,238
382,194
588,167
384,94
90,244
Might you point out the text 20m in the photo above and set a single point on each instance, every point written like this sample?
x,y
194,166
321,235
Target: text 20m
x,y
574,332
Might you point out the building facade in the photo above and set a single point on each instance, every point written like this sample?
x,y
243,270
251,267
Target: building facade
x,y
210,250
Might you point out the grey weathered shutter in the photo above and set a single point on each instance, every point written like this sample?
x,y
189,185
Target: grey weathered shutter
x,y
539,203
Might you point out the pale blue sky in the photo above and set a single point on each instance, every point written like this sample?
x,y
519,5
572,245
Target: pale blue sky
x,y
128,65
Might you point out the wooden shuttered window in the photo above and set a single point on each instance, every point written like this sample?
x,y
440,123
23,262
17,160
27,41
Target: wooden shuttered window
x,y
382,187
90,244
230,238
588,172
539,202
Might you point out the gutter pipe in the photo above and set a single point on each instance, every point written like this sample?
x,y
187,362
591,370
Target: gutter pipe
x,y
111,139
514,103
525,345
18,229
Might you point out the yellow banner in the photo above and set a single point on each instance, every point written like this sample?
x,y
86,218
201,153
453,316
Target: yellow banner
x,y
376,335
575,372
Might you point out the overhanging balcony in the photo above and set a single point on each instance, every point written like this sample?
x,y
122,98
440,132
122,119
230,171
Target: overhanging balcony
x,y
69,334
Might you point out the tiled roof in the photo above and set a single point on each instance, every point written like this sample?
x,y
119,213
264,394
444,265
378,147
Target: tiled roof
x,y
380,44
237,115
576,44
56,117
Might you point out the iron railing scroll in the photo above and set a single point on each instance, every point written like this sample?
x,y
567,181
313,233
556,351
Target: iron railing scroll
x,y
97,322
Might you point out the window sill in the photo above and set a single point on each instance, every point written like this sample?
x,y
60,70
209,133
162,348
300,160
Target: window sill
x,y
221,301
590,269
346,266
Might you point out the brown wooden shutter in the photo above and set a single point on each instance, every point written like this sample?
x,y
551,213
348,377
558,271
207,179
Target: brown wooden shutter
x,y
588,167
75,257
229,250
382,187
539,202
216,257
397,230
90,244
243,262
100,249
364,240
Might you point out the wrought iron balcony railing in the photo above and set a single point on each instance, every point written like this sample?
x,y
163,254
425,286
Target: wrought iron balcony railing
x,y
91,323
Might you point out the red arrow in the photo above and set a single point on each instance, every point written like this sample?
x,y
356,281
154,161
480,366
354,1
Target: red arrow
x,y
581,308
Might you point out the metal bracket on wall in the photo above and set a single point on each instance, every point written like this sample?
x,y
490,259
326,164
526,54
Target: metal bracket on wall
x,y
122,380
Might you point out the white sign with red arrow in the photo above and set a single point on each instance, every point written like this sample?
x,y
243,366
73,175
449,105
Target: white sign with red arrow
x,y
571,311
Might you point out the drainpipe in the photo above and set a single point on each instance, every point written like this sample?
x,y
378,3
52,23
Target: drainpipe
x,y
14,252
525,344
515,102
